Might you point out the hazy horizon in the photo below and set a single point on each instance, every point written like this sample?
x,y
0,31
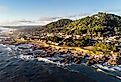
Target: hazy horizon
x,y
19,10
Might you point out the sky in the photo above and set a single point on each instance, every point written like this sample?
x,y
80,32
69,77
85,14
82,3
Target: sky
x,y
34,9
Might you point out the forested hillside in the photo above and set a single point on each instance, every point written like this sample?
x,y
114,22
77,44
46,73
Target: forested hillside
x,y
101,24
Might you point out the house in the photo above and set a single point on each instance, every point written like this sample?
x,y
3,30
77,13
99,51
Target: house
x,y
50,35
22,39
68,36
77,36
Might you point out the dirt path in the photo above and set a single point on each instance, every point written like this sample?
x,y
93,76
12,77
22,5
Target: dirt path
x,y
62,48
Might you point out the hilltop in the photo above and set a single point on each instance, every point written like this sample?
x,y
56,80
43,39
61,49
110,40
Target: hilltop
x,y
101,23
55,26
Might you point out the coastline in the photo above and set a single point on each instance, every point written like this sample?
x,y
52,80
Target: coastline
x,y
74,52
65,49
76,65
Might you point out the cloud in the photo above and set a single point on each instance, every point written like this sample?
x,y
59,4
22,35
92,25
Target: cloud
x,y
41,20
49,18
78,16
73,17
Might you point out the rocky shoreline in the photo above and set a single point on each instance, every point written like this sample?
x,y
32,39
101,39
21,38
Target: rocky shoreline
x,y
29,57
73,56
